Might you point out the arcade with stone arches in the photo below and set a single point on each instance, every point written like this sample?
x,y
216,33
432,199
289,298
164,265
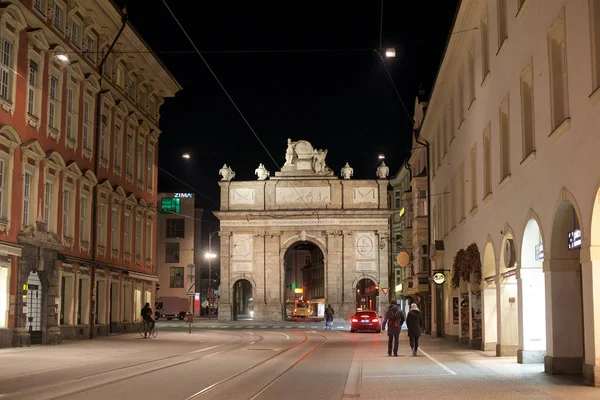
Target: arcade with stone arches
x,y
302,235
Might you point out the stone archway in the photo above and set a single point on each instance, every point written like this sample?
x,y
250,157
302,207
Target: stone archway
x,y
304,280
489,299
564,300
507,297
532,301
243,300
366,294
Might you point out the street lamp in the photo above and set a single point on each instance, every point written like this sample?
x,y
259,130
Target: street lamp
x,y
210,256
390,52
186,156
381,157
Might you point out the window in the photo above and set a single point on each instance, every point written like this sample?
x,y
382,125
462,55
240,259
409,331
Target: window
x,y
6,70
101,224
175,228
70,112
83,236
558,73
140,162
65,212
150,167
53,100
31,103
126,237
40,5
129,155
172,252
504,140
120,76
170,205
152,108
27,177
595,24
502,22
131,88
107,66
76,32
117,148
149,240
114,229
527,119
47,203
138,237
103,138
461,97
143,99
487,162
176,277
485,45
462,195
59,16
471,76
86,125
474,177
90,52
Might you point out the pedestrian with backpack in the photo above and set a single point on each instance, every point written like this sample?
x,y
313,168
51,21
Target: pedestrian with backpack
x,y
394,318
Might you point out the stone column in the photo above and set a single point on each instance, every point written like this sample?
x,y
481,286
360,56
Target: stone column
x,y
348,263
532,332
590,271
334,279
225,311
48,263
270,248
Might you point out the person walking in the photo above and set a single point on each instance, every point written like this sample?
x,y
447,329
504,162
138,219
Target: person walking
x,y
394,318
414,322
329,317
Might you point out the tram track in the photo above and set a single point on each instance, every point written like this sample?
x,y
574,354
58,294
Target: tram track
x,y
230,380
91,381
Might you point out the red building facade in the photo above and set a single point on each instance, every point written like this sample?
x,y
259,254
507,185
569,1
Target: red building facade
x,y
78,159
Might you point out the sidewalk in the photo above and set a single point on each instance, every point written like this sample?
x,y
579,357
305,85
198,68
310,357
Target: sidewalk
x,y
445,370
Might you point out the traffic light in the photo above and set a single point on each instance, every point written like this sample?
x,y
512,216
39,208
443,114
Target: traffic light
x,y
157,286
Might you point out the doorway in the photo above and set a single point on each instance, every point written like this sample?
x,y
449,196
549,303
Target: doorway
x,y
243,302
34,307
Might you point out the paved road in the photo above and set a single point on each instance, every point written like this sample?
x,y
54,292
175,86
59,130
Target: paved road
x,y
262,363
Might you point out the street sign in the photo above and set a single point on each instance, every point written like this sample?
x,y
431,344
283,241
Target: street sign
x,y
439,278
385,290
191,291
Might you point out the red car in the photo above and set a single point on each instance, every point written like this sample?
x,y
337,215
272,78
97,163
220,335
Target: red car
x,y
365,321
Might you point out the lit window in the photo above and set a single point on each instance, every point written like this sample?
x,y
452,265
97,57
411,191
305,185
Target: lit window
x,y
117,147
59,17
66,207
126,237
140,162
6,69
70,112
76,33
26,197
86,125
47,204
31,103
90,52
103,138
83,236
52,104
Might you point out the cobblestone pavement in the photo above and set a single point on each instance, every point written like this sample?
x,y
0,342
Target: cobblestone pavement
x,y
270,363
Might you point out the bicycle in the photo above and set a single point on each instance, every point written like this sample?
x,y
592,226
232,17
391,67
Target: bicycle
x,y
145,330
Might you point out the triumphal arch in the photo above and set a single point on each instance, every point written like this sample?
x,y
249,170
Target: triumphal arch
x,y
303,234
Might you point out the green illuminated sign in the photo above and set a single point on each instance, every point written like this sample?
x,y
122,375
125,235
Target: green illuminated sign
x,y
170,205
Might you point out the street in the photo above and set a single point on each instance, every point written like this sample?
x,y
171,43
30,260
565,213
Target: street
x,y
270,363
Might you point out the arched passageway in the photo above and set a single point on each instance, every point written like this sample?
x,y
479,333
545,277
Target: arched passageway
x,y
243,301
304,289
366,295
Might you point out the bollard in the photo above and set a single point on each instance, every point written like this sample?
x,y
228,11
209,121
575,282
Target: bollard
x,y
189,317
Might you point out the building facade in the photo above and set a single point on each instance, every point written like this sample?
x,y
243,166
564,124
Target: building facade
x,y
304,206
400,184
78,151
512,124
175,245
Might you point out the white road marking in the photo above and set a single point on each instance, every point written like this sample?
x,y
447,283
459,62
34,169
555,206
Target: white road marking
x,y
313,331
402,376
251,327
276,326
213,326
437,362
314,326
302,327
263,327
288,326
208,348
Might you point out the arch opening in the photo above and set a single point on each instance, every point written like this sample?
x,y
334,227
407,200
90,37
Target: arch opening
x,y
532,293
565,335
243,300
366,295
304,281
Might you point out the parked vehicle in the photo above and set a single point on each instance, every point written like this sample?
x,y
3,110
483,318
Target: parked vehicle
x,y
171,307
365,321
302,309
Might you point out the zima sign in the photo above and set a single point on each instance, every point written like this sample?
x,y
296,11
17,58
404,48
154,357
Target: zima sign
x,y
183,195
439,278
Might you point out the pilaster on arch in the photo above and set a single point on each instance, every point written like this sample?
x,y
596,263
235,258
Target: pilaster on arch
x,y
489,247
11,134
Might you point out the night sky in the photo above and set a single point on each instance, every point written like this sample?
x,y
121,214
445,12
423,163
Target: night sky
x,y
338,100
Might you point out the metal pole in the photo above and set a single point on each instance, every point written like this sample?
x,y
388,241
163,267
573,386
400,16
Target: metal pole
x,y
209,273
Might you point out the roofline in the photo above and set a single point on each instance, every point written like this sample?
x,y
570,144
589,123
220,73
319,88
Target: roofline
x,y
437,75
141,38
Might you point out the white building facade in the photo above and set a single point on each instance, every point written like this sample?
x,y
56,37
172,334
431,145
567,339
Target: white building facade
x,y
512,125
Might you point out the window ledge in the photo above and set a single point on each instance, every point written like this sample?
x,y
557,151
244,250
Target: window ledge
x,y
148,262
7,105
150,190
53,133
115,254
595,95
117,171
521,10
129,178
562,128
127,257
502,46
33,121
103,162
68,241
4,225
140,184
462,121
101,251
473,211
71,143
138,260
451,140
87,153
462,221
529,159
487,198
84,246
471,104
486,78
502,184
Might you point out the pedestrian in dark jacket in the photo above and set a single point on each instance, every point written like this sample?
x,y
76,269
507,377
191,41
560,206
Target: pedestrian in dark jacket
x,y
394,318
414,322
